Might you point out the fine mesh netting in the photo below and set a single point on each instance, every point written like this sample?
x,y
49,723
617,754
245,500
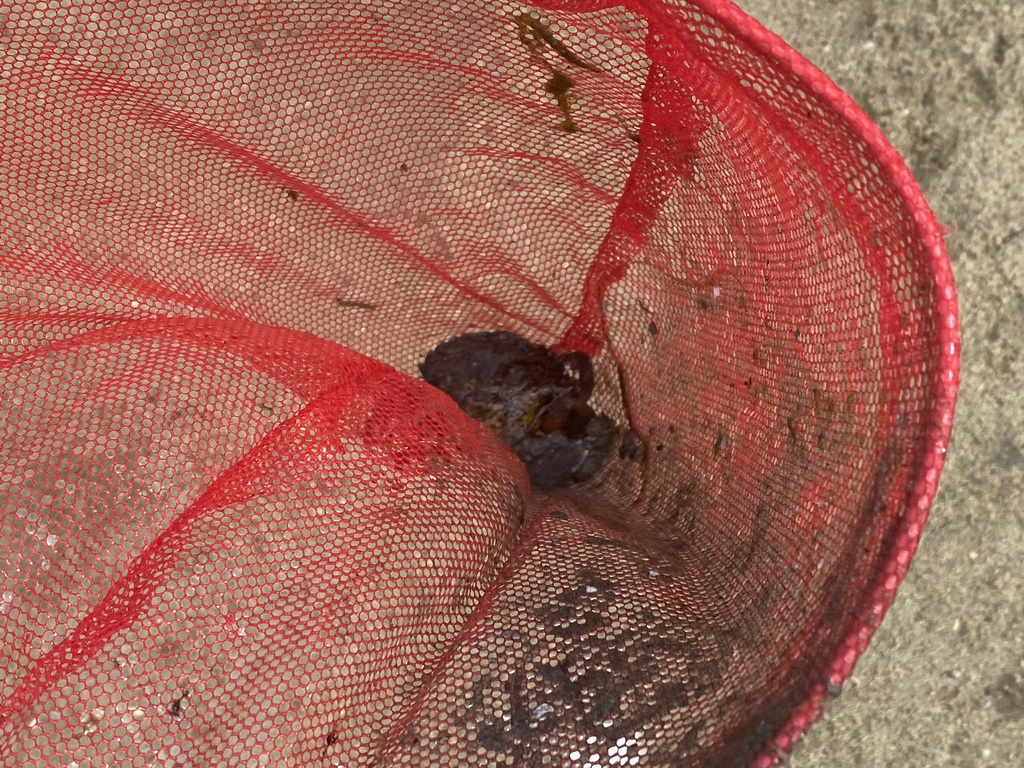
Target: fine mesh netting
x,y
238,528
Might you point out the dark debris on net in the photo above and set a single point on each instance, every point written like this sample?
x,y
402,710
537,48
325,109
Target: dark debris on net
x,y
534,399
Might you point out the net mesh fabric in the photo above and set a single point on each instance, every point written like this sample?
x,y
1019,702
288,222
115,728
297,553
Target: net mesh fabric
x,y
237,530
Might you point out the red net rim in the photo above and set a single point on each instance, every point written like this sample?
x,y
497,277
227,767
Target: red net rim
x,y
923,483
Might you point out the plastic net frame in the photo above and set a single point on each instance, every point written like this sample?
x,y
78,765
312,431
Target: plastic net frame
x,y
236,532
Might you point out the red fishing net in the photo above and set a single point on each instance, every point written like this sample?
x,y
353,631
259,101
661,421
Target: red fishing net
x,y
237,526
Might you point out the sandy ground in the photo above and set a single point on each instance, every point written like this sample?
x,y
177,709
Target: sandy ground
x,y
943,683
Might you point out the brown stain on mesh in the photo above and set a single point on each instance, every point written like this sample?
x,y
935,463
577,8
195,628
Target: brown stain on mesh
x,y
537,37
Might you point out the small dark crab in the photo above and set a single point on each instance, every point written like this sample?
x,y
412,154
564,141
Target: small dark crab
x,y
534,399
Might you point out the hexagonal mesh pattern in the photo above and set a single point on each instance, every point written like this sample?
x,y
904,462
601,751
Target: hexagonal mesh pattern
x,y
237,530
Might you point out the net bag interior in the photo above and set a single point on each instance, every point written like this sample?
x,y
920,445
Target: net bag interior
x,y
240,529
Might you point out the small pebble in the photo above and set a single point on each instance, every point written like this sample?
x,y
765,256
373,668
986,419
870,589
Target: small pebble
x,y
542,711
